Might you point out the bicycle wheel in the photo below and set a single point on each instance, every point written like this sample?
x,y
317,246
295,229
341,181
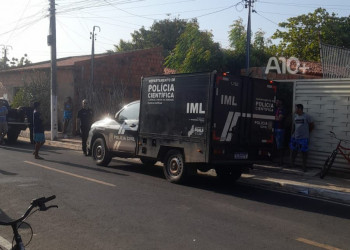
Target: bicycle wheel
x,y
328,164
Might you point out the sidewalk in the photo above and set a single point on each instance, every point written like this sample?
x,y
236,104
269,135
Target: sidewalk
x,y
296,181
73,142
333,188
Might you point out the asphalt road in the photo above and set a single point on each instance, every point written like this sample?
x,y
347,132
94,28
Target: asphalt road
x,y
131,206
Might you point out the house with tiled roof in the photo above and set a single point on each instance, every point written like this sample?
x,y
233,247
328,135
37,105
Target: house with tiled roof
x,y
74,76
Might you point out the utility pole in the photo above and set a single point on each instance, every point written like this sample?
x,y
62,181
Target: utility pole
x,y
249,5
92,36
4,51
52,42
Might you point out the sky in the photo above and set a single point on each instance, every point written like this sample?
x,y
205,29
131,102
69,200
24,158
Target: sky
x,y
24,24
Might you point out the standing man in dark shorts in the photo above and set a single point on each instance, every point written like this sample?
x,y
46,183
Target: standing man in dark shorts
x,y
302,127
38,131
85,116
3,123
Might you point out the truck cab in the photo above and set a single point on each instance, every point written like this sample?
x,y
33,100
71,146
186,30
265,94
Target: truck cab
x,y
16,120
115,137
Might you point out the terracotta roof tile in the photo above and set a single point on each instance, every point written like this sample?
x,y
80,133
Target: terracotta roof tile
x,y
62,62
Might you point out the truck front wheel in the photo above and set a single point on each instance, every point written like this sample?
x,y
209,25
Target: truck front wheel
x,y
100,153
174,169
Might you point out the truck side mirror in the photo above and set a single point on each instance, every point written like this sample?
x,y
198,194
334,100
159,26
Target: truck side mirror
x,y
120,118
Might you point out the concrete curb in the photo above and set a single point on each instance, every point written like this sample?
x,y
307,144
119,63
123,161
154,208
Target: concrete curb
x,y
300,188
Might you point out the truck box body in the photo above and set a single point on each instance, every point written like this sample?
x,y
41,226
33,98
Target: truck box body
x,y
212,118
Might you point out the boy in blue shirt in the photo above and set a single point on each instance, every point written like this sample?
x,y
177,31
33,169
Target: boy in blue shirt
x,y
67,115
302,126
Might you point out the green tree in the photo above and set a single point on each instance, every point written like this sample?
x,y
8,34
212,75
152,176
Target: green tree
x,y
5,63
37,89
259,49
238,36
301,38
24,61
162,33
195,51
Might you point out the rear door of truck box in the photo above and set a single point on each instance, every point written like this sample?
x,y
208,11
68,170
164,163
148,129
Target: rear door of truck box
x,y
243,117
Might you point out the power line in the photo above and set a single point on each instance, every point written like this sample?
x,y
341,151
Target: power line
x,y
221,10
275,13
313,6
67,34
160,4
90,4
158,14
128,11
23,26
254,11
19,21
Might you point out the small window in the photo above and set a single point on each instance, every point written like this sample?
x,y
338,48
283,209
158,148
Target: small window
x,y
130,112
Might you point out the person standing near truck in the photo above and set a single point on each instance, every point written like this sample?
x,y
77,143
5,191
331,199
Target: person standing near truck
x,y
302,127
29,113
38,131
84,122
67,115
279,130
3,123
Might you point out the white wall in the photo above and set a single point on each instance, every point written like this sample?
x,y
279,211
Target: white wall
x,y
328,102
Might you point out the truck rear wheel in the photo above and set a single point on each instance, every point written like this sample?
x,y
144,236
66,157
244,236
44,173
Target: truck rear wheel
x,y
100,153
174,169
228,174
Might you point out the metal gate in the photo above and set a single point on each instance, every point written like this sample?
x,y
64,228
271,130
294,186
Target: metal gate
x,y
328,102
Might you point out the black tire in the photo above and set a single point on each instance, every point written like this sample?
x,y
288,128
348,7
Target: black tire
x,y
148,161
100,153
174,167
12,135
328,164
227,174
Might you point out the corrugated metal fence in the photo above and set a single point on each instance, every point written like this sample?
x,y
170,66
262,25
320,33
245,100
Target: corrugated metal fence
x,y
328,102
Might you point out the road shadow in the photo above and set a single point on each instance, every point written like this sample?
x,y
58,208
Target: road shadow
x,y
28,148
245,191
4,217
127,166
6,173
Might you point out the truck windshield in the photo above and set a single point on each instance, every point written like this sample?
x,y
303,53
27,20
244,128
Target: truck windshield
x,y
130,112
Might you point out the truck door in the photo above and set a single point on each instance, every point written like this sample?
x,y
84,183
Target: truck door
x,y
242,118
124,139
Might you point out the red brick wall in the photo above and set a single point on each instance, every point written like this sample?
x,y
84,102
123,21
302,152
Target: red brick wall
x,y
12,79
125,67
